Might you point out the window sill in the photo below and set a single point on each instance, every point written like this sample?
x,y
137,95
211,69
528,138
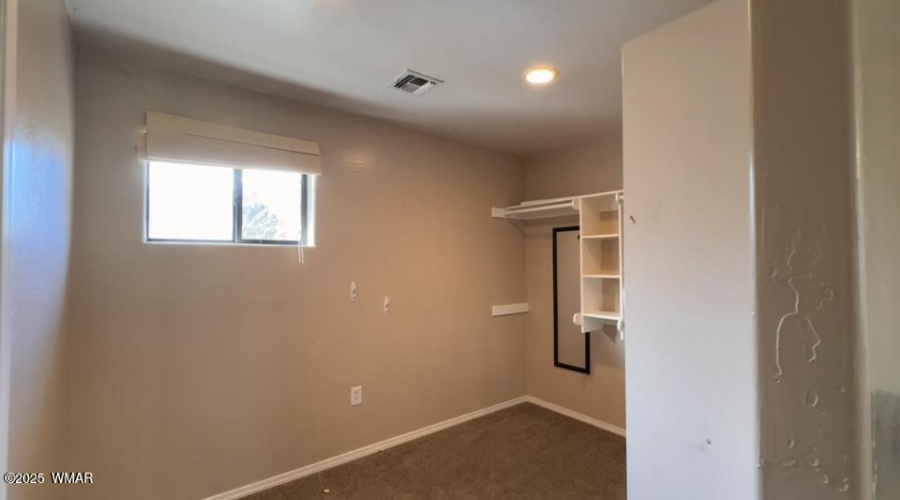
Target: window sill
x,y
221,244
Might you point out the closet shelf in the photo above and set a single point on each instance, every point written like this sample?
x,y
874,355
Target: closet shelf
x,y
599,236
603,276
557,207
607,315
538,210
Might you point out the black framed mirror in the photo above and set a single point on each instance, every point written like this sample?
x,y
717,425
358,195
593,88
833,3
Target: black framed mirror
x,y
571,348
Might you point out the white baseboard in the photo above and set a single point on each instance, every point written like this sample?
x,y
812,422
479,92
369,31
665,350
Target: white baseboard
x,y
361,452
577,416
328,463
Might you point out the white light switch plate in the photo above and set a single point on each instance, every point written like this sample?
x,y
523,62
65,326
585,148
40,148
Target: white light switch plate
x,y
356,395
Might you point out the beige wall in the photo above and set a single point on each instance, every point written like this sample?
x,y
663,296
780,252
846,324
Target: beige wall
x,y
37,214
591,168
585,169
804,211
689,269
197,369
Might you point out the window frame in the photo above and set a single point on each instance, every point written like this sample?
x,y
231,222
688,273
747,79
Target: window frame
x,y
237,207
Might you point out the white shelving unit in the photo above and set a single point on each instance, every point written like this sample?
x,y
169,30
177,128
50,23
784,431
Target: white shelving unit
x,y
600,219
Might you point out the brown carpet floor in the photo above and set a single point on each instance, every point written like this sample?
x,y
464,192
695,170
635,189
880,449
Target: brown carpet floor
x,y
523,452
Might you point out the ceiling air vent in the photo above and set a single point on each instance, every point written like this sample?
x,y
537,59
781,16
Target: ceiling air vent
x,y
415,83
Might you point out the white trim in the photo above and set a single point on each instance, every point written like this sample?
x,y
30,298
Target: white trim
x,y
361,452
577,416
509,309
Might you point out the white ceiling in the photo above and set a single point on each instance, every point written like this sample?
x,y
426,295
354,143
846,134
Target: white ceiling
x,y
345,54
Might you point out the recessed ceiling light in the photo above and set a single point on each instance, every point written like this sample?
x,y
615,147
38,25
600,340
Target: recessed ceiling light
x,y
540,76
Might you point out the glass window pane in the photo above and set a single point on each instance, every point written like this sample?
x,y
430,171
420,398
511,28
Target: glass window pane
x,y
190,202
272,206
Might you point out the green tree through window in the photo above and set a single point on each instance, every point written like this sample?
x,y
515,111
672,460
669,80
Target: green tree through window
x,y
260,223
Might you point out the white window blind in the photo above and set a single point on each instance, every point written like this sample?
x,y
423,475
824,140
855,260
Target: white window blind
x,y
177,139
